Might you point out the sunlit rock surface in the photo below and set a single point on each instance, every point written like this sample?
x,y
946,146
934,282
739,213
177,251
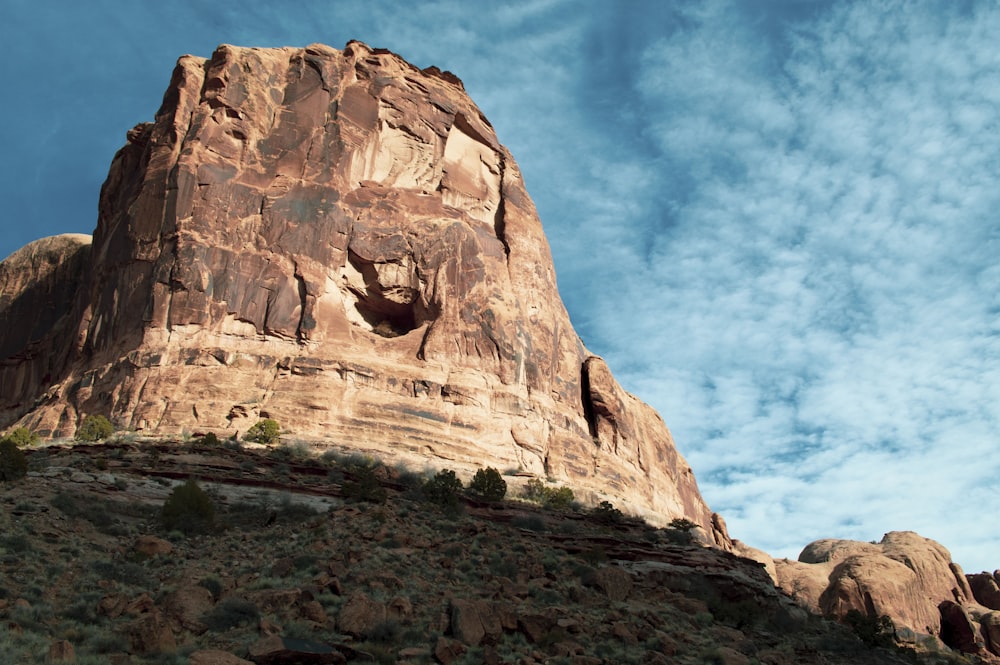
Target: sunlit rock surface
x,y
337,240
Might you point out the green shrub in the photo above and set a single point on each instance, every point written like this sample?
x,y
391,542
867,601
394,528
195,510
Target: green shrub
x,y
606,512
13,464
443,488
364,487
873,631
213,585
682,524
210,439
264,431
488,485
188,509
534,491
230,613
680,531
384,632
94,428
560,497
96,513
126,572
22,437
550,497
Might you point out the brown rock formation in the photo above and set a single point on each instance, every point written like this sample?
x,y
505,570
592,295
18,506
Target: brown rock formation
x,y
42,310
990,623
907,577
986,589
337,240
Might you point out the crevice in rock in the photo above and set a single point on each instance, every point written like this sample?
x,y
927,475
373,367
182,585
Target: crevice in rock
x,y
589,414
306,321
422,351
499,218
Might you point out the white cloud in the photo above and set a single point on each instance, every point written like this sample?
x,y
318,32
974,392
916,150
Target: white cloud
x,y
817,321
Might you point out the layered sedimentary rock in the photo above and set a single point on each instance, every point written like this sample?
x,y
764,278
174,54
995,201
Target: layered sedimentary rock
x,y
909,578
337,240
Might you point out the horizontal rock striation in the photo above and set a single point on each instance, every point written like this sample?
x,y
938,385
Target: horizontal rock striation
x,y
337,240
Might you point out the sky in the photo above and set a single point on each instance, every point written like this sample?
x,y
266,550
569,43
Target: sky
x,y
778,221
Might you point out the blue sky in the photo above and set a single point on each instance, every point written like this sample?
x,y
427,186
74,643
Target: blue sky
x,y
777,221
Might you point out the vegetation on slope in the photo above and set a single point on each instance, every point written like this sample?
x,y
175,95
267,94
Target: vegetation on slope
x,y
427,572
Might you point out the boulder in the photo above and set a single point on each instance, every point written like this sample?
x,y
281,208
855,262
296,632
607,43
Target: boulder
x,y
112,605
61,651
215,657
152,546
187,605
360,614
989,625
399,609
277,650
613,581
985,589
535,627
337,240
905,577
312,610
447,651
150,634
474,621
957,629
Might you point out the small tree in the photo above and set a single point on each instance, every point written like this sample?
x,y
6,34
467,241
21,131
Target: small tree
x,y
210,439
873,631
188,509
559,498
94,428
682,524
364,487
550,497
534,491
13,464
22,437
264,431
680,531
443,488
488,485
606,512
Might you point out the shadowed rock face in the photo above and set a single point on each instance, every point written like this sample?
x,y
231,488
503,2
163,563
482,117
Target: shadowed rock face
x,y
42,308
337,240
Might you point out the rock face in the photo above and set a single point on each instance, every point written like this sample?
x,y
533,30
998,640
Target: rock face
x,y
337,240
42,310
907,577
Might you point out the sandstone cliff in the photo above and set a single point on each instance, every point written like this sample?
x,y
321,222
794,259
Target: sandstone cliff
x,y
337,240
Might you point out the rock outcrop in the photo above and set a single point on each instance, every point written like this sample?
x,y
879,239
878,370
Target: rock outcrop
x,y
986,588
336,240
42,310
909,578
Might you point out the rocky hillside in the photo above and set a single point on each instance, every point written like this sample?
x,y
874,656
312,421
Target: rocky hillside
x,y
306,561
337,240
